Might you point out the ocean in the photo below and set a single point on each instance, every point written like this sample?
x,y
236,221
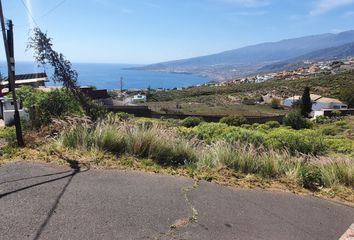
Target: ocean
x,y
107,76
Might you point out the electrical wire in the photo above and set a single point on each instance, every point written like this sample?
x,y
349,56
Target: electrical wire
x,y
29,13
53,9
45,14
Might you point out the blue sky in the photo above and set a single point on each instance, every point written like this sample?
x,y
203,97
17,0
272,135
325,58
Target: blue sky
x,y
149,31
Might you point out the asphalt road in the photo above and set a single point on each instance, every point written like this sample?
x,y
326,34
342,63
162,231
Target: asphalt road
x,y
41,202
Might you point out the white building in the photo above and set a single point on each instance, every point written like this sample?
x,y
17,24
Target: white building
x,y
328,103
139,98
7,111
289,102
318,102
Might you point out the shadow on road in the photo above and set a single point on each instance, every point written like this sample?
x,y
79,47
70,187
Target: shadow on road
x,y
75,165
39,176
76,168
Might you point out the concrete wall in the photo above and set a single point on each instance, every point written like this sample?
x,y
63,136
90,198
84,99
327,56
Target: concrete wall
x,y
8,116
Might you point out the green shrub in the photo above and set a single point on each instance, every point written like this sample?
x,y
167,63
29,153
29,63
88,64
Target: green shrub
x,y
8,133
296,121
322,120
310,177
234,120
190,122
340,145
342,124
113,118
329,131
347,94
235,134
336,114
273,124
211,131
304,141
263,127
44,106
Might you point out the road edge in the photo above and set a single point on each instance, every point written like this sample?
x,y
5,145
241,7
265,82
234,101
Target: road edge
x,y
349,234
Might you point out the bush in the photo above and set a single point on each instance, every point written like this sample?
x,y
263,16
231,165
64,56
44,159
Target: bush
x,y
304,141
273,124
190,122
310,177
44,106
347,95
340,145
296,121
336,114
234,120
113,118
330,131
247,126
322,120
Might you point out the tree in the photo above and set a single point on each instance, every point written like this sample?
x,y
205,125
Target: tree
x,y
347,95
63,72
295,120
306,103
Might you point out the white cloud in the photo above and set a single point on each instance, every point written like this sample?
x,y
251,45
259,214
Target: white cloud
x,y
349,14
323,6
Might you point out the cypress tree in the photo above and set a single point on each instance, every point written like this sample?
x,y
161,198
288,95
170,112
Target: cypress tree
x,y
306,103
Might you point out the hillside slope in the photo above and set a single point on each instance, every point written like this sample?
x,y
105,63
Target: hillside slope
x,y
249,60
333,53
265,52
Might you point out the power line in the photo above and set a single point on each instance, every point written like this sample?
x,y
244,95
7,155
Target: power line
x,y
53,9
45,14
29,12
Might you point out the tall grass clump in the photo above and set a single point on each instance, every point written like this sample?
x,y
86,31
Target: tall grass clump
x,y
154,142
247,159
79,136
335,173
108,138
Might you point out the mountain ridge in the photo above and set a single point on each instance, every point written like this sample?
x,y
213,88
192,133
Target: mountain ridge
x,y
245,60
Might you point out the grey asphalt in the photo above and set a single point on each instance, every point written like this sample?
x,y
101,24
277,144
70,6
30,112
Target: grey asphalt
x,y
42,202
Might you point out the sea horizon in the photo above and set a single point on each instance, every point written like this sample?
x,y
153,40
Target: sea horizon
x,y
108,75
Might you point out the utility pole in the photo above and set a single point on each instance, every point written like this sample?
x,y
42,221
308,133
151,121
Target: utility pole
x,y
121,85
9,50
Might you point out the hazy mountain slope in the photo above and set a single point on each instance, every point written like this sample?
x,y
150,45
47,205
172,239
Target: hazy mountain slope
x,y
261,53
332,53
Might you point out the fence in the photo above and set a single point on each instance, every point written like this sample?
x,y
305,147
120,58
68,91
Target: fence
x,y
144,111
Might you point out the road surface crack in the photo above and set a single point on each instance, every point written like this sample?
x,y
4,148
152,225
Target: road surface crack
x,y
183,222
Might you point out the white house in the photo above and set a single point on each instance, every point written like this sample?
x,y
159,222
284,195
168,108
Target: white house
x,y
289,102
139,98
318,102
328,103
7,111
